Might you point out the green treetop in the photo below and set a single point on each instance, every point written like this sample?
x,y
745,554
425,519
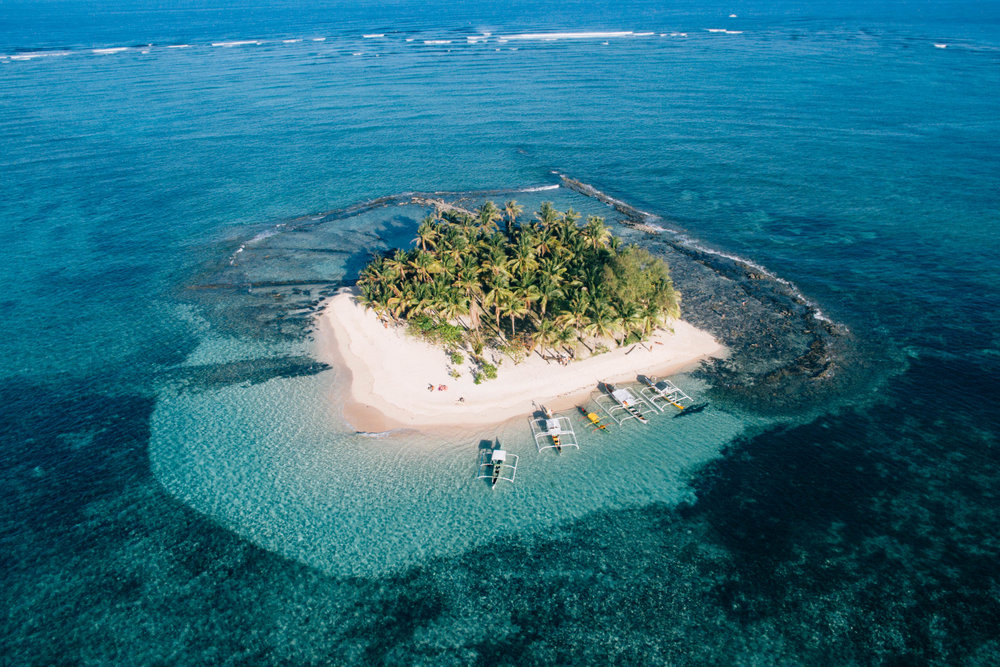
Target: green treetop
x,y
546,282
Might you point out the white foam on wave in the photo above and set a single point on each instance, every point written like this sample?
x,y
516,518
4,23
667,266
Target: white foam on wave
x,y
240,42
540,188
109,51
380,435
319,39
550,36
178,46
290,41
267,233
715,29
373,35
437,41
940,46
36,54
743,261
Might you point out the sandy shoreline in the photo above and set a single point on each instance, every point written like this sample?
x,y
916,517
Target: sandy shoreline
x,y
390,373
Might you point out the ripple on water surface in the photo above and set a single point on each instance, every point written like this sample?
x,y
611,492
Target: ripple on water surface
x,y
251,434
274,462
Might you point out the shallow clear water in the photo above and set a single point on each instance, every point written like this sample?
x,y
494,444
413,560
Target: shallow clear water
x,y
179,487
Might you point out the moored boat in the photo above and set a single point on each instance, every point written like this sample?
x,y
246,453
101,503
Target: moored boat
x,y
626,399
495,465
592,416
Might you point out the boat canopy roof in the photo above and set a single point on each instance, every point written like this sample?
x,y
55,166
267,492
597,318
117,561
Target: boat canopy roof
x,y
623,395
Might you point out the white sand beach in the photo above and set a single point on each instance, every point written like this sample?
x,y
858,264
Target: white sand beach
x,y
391,372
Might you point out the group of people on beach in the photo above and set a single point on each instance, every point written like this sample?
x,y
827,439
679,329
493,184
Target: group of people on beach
x,y
443,387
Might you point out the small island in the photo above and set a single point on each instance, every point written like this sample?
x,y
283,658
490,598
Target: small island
x,y
488,313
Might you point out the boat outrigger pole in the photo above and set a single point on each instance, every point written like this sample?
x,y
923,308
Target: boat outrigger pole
x,y
594,419
626,400
553,433
670,394
495,466
551,427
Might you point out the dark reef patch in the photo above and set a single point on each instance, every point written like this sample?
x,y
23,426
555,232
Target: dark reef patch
x,y
784,352
249,372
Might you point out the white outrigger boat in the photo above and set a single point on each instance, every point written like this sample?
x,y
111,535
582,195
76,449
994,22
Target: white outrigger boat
x,y
624,401
668,393
495,466
552,430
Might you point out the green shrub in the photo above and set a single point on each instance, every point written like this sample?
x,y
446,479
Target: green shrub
x,y
490,371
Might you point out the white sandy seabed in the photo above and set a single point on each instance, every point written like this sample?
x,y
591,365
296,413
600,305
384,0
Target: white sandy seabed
x,y
277,463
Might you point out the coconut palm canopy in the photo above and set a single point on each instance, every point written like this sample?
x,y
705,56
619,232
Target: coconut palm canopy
x,y
547,282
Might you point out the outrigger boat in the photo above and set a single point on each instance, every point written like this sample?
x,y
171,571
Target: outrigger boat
x,y
592,416
555,429
668,392
494,465
552,429
626,399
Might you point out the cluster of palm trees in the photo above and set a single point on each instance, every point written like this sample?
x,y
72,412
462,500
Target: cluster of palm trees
x,y
549,282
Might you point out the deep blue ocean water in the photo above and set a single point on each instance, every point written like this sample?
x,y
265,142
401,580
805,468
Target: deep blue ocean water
x,y
839,145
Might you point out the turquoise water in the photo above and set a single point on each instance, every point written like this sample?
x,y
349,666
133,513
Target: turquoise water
x,y
179,485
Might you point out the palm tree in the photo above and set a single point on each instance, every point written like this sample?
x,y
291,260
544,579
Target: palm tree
x,y
554,270
547,215
512,209
543,239
428,234
494,263
514,305
495,295
462,264
594,232
574,316
547,291
396,266
450,304
569,220
567,338
467,281
487,216
528,293
523,262
423,299
546,334
424,265
602,318
627,320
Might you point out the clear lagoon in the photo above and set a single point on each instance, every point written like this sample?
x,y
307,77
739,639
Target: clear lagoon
x,y
180,488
